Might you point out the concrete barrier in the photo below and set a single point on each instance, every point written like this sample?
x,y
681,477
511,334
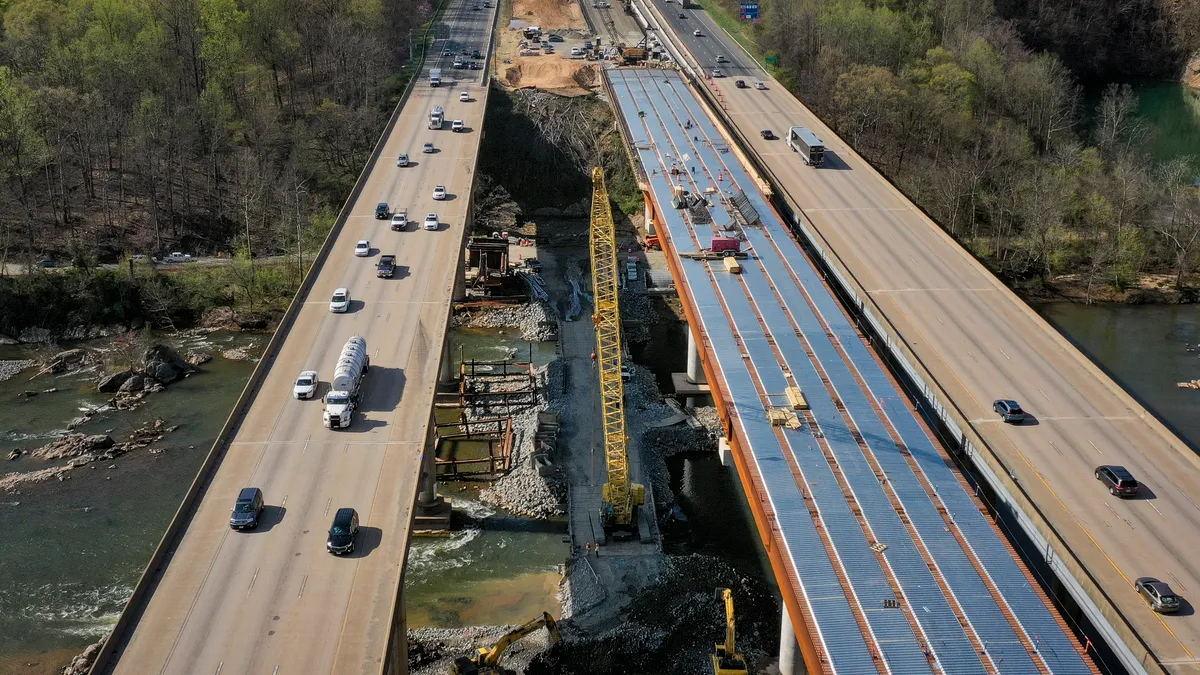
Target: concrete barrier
x,y
183,515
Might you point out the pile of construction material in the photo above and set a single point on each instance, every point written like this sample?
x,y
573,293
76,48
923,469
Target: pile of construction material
x,y
533,319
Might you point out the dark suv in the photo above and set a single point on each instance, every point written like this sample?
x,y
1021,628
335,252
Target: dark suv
x,y
1120,482
382,212
1158,594
342,532
1009,410
247,509
386,266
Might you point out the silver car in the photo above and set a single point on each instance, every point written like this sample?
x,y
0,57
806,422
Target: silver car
x,y
306,385
340,302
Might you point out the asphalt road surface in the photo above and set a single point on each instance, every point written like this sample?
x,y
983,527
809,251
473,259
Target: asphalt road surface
x,y
273,600
982,342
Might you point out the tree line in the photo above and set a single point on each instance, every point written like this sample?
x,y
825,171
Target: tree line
x,y
994,139
145,126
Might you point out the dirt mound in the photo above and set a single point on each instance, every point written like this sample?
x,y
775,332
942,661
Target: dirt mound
x,y
551,73
549,14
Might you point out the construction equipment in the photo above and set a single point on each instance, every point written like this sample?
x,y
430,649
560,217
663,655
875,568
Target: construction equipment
x,y
486,662
725,659
620,498
718,247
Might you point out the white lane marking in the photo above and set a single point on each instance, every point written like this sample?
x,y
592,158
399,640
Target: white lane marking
x,y
219,667
252,580
939,320
914,260
1004,355
1097,448
1055,447
856,209
930,290
328,502
1185,495
991,420
1154,507
284,501
276,671
1043,394
303,583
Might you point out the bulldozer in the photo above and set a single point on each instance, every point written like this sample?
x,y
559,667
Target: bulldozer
x,y
487,660
725,659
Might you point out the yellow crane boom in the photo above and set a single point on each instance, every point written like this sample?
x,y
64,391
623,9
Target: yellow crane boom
x,y
620,497
725,659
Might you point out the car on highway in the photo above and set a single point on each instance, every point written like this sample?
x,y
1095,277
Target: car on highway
x,y
340,302
306,385
342,532
697,33
382,211
721,58
740,84
1158,594
459,63
386,267
476,54
399,220
464,97
682,15
431,222
447,52
760,85
716,72
439,192
456,125
767,134
428,148
554,38
1118,480
1008,410
474,8
246,509
362,249
402,160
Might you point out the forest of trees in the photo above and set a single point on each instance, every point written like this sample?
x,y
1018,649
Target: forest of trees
x,y
145,126
982,121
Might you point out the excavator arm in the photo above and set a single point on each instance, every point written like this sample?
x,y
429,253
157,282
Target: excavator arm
x,y
489,657
725,659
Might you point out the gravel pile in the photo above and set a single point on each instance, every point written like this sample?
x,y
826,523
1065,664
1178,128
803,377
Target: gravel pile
x,y
8,369
533,319
581,588
432,650
671,626
639,315
710,418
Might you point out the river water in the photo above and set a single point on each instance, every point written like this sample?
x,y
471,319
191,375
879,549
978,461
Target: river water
x,y
1174,110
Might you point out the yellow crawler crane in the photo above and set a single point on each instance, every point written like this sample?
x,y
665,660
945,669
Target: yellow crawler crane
x,y
620,498
725,659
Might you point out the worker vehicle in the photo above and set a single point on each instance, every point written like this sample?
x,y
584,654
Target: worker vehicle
x,y
1119,481
436,117
718,247
399,221
435,74
805,142
382,211
1160,596
246,509
342,532
386,267
1009,410
487,660
340,302
346,385
725,659
306,385
362,249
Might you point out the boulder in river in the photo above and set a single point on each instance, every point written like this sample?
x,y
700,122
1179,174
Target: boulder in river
x,y
112,382
136,382
73,445
196,358
164,364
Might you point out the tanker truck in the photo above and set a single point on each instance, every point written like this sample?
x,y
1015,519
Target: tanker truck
x,y
342,399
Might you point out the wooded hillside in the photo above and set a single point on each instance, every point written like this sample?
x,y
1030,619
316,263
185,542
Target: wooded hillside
x,y
206,126
992,136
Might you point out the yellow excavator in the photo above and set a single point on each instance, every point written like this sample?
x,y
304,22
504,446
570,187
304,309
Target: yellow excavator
x,y
725,659
487,661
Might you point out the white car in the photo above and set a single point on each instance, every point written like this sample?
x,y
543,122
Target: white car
x,y
760,85
428,148
716,72
362,249
439,192
402,160
399,221
576,51
456,125
306,385
431,222
340,302
697,33
464,97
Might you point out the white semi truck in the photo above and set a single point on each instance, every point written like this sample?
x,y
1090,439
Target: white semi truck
x,y
805,142
436,117
346,386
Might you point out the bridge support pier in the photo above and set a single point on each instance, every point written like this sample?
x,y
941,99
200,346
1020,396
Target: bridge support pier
x,y
460,280
695,371
432,510
650,231
791,661
446,370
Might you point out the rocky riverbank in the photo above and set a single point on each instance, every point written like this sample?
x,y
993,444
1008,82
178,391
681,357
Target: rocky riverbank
x,y
81,450
1191,72
533,319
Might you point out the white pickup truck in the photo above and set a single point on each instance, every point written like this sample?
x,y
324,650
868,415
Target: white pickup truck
x,y
178,257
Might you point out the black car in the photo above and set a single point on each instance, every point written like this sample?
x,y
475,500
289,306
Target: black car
x,y
740,84
1009,410
342,532
554,38
386,266
767,135
1158,594
382,211
246,509
476,54
1120,482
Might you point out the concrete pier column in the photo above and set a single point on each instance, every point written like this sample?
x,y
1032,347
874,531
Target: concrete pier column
x,y
650,231
427,487
447,371
791,661
695,371
460,279
432,510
